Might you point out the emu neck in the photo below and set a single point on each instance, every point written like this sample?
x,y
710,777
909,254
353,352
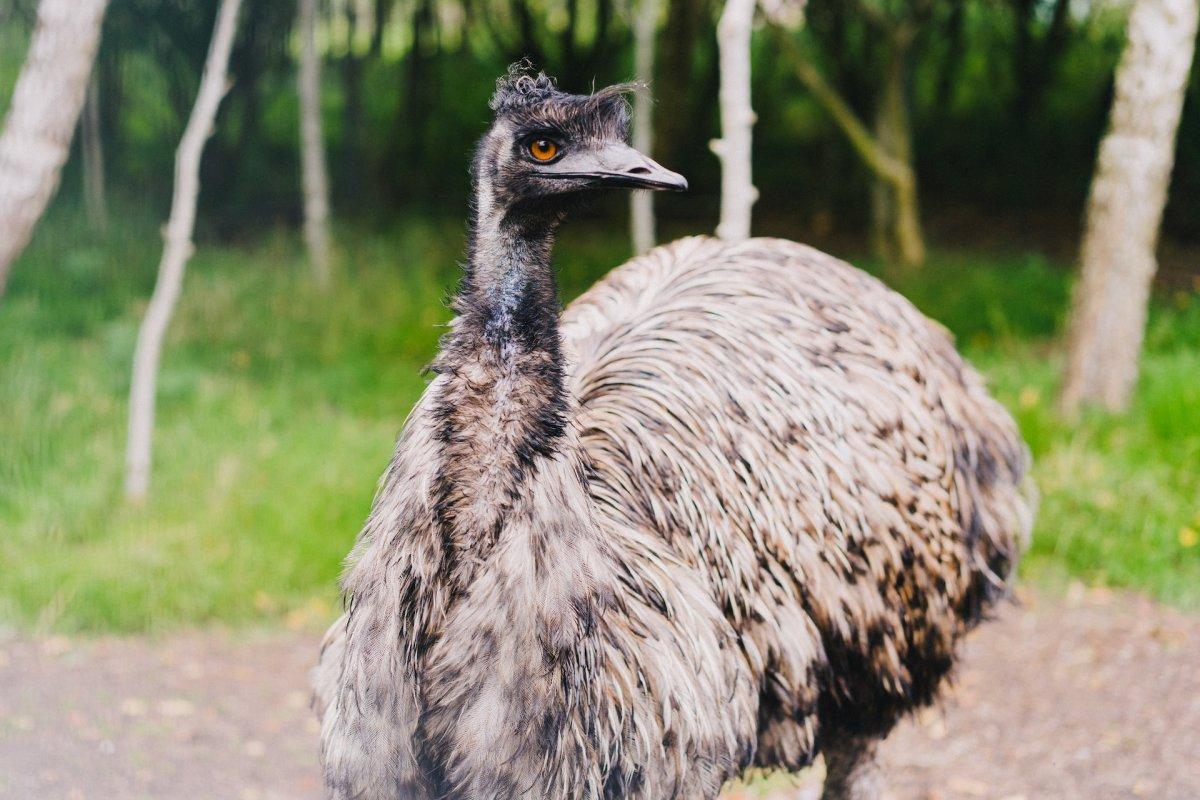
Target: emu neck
x,y
503,405
529,573
508,298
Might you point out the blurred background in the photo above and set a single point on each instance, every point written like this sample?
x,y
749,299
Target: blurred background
x,y
285,375
279,398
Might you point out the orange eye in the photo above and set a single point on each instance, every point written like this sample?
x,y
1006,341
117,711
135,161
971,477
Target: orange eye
x,y
543,149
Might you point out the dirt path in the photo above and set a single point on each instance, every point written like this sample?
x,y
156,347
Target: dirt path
x,y
1096,696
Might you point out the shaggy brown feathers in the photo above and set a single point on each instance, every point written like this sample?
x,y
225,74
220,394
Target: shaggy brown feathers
x,y
738,507
782,500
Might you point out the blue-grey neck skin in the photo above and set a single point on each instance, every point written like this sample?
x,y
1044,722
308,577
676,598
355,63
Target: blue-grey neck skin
x,y
507,479
508,294
502,403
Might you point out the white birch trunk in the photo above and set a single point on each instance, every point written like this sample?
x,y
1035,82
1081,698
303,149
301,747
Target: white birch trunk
x,y
312,144
641,204
41,119
92,149
176,251
737,119
1126,203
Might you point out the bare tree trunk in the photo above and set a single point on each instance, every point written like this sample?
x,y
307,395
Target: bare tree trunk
x,y
896,214
354,143
737,120
41,119
886,151
92,150
1125,206
675,67
312,143
641,204
883,192
894,197
177,250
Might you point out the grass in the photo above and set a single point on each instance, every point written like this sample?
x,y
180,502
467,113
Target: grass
x,y
279,404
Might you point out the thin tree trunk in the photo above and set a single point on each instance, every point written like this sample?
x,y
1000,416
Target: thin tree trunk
x,y
417,101
354,147
1125,206
675,67
896,213
887,153
315,177
737,120
177,250
41,119
883,207
92,150
381,14
641,204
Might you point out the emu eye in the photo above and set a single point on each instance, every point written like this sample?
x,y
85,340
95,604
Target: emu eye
x,y
543,149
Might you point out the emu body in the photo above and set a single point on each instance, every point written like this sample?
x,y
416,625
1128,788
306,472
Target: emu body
x,y
734,508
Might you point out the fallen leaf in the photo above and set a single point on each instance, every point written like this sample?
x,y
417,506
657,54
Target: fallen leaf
x,y
133,707
1144,787
968,786
1076,591
176,707
1188,537
56,646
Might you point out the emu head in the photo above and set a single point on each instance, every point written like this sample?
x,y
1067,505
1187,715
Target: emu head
x,y
547,147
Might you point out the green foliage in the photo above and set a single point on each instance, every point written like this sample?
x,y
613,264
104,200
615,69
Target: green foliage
x,y
1008,297
1007,104
1120,502
279,405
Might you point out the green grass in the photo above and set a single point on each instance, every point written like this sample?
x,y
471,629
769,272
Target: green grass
x,y
1120,494
279,404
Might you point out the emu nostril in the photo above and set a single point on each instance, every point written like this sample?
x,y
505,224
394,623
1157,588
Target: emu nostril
x,y
640,171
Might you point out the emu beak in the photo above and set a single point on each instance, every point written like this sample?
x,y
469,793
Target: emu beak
x,y
616,164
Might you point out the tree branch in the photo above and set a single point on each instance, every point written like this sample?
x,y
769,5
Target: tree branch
x,y
865,145
875,16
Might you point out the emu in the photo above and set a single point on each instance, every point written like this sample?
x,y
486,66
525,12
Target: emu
x,y
734,508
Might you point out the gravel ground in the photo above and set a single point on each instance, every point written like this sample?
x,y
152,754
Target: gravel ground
x,y
1095,695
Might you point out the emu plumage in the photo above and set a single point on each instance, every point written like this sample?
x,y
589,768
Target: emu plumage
x,y
736,508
